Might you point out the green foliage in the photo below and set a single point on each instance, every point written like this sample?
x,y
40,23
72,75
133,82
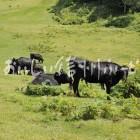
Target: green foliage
x,y
132,4
111,111
121,22
86,112
129,88
41,90
130,108
90,90
83,11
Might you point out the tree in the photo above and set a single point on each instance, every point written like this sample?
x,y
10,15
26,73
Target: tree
x,y
131,4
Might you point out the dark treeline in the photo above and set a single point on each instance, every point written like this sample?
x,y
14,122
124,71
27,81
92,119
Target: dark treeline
x,y
92,10
123,5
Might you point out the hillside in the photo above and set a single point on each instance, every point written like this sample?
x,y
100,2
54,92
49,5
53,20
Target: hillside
x,y
54,29
121,13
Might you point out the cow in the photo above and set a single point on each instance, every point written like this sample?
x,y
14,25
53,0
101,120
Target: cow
x,y
47,79
56,78
37,57
38,68
22,63
108,74
26,64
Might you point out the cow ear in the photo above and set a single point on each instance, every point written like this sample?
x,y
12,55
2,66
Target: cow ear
x,y
13,59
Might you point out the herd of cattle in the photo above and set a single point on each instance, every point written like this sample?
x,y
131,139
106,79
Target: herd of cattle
x,y
107,74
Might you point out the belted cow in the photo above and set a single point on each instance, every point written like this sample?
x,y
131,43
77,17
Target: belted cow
x,y
105,73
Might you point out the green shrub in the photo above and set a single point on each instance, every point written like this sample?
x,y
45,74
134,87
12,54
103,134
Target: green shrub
x,y
110,112
90,112
129,88
91,90
86,112
41,90
131,108
120,22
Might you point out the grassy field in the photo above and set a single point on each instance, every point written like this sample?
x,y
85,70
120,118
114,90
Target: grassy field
x,y
28,26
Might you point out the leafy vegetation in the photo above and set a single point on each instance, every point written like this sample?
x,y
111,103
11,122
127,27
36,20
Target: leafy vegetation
x,y
41,90
84,11
120,22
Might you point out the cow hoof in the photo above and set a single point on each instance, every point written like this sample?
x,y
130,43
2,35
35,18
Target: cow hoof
x,y
108,98
76,95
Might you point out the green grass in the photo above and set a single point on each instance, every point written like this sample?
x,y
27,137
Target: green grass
x,y
30,24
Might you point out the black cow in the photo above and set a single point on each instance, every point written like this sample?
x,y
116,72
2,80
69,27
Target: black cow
x,y
52,79
105,73
24,63
37,57
47,79
62,77
38,68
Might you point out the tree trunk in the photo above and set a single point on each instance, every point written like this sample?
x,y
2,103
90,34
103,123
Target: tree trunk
x,y
124,9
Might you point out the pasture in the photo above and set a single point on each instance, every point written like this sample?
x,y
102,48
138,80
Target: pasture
x,y
28,26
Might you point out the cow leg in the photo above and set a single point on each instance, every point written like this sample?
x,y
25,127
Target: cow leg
x,y
102,86
70,84
75,87
108,88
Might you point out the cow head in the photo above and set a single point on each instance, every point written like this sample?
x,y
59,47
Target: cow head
x,y
14,62
62,77
123,72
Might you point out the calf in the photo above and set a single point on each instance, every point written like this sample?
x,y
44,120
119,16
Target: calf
x,y
37,57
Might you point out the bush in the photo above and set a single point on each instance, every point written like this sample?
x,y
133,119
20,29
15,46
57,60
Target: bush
x,y
41,90
90,90
86,112
130,88
131,108
120,22
110,112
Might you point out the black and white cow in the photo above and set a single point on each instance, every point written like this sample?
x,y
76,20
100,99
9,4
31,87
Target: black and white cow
x,y
37,57
105,73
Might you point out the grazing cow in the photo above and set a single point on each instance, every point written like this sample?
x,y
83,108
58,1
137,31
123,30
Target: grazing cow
x,y
52,79
22,63
105,73
37,57
26,64
62,77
